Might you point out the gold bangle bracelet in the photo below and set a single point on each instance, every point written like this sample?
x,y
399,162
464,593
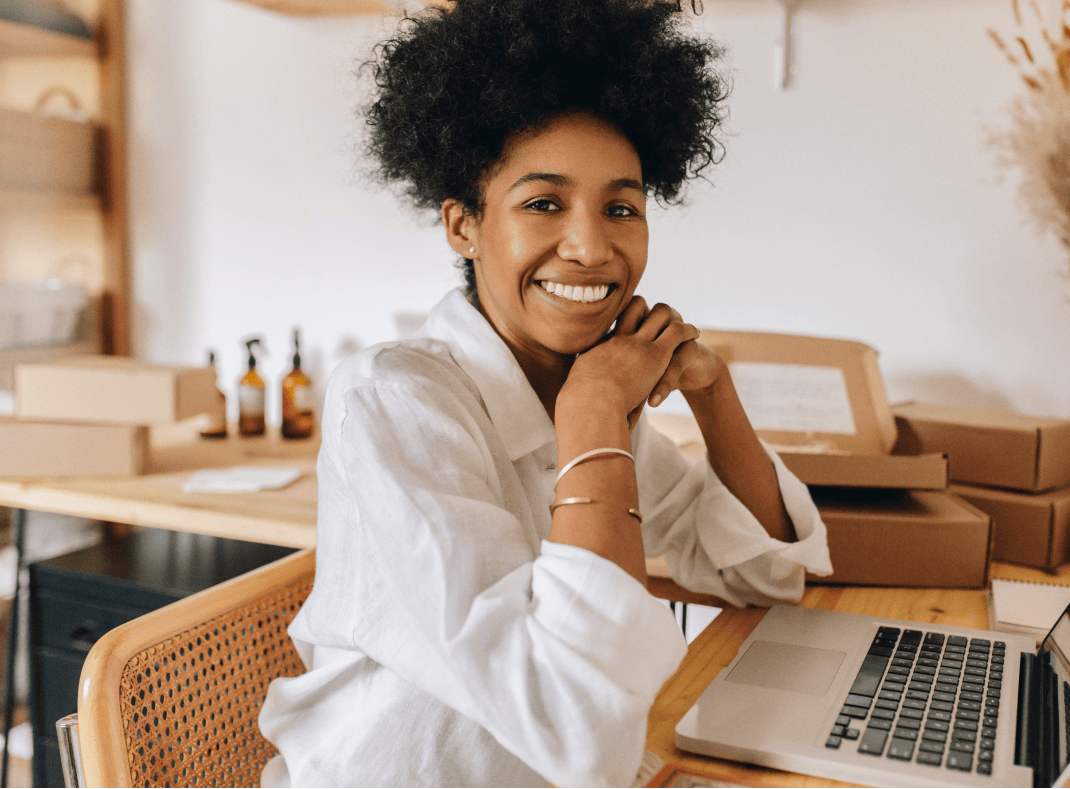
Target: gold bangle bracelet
x,y
570,500
584,500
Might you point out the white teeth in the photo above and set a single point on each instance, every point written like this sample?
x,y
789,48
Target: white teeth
x,y
584,295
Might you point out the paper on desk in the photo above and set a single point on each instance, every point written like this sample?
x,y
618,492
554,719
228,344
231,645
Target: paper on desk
x,y
240,479
1027,604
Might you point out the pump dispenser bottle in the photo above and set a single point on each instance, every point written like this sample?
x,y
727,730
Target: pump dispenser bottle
x,y
297,419
217,424
251,396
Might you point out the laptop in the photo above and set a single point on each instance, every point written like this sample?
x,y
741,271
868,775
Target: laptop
x,y
888,702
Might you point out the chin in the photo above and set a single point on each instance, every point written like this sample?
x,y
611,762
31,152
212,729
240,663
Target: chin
x,y
572,346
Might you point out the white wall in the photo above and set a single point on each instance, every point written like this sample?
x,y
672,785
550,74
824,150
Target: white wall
x,y
863,202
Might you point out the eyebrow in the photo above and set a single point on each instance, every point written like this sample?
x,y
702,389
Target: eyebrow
x,y
561,180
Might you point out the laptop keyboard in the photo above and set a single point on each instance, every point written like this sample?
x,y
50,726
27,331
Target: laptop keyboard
x,y
927,698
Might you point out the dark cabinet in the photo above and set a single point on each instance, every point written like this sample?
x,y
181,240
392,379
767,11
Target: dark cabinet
x,y
77,597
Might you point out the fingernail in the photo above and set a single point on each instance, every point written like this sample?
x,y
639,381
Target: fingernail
x,y
655,400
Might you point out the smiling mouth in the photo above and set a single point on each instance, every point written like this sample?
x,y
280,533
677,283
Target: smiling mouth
x,y
577,293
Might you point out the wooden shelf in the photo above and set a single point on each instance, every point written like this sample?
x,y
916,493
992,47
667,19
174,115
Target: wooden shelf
x,y
19,40
329,7
14,200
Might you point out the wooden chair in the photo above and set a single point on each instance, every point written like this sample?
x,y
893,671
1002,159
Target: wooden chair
x,y
172,698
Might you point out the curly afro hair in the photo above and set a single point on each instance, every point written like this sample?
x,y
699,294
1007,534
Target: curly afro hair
x,y
455,83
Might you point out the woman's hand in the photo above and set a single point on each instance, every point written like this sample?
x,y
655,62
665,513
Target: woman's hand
x,y
649,354
693,366
638,359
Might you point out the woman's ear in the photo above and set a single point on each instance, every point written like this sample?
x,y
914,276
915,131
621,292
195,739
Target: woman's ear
x,y
460,229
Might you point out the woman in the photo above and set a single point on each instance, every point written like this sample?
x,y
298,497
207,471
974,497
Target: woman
x,y
489,489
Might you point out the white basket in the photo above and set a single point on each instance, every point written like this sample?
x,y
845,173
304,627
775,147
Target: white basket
x,y
40,313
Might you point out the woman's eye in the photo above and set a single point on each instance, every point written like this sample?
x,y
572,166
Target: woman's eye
x,y
542,204
622,210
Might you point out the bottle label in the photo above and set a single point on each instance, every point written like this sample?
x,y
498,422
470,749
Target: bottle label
x,y
251,400
302,397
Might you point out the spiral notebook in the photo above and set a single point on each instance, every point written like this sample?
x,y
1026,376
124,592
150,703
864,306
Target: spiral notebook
x,y
1027,607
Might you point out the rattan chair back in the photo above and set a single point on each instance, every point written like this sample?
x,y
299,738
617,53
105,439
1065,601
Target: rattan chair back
x,y
172,698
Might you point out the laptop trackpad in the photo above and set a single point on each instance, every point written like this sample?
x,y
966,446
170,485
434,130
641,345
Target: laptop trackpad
x,y
799,669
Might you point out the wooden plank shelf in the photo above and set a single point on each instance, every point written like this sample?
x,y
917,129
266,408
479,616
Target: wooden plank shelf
x,y
14,200
20,40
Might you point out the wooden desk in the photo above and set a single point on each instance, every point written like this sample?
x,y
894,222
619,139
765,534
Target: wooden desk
x,y
277,517
717,645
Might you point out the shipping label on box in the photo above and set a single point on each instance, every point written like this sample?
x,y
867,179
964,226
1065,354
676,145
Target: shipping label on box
x,y
1030,528
112,389
904,538
58,449
809,391
821,404
989,447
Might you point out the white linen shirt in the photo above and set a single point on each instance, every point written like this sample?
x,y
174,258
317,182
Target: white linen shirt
x,y
447,641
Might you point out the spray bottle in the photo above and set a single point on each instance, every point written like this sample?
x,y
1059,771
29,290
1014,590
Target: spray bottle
x,y
251,396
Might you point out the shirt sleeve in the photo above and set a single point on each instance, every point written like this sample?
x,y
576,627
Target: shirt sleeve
x,y
711,541
557,652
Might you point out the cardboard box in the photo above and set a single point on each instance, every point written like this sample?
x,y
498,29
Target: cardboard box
x,y
821,404
905,538
43,152
914,472
989,447
112,389
58,449
1030,528
921,472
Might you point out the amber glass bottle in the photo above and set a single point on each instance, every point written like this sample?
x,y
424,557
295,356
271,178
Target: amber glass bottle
x,y
217,425
297,419
251,396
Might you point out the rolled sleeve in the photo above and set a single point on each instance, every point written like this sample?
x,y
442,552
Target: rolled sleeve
x,y
714,544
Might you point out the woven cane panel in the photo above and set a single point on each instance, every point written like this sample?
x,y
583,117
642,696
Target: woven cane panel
x,y
190,704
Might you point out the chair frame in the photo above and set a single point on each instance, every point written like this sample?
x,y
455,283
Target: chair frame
x,y
102,744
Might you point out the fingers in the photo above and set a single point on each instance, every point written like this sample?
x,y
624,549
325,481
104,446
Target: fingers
x,y
656,320
664,387
671,378
632,316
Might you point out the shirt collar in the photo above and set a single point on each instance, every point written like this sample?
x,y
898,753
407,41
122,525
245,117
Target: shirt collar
x,y
514,408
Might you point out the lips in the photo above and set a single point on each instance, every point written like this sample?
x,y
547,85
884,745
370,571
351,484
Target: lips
x,y
579,293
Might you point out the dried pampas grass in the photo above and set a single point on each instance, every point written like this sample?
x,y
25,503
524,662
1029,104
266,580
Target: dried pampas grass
x,y
1038,140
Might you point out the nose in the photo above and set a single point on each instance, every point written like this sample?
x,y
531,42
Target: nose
x,y
586,240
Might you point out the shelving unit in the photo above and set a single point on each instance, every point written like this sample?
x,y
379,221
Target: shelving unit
x,y
38,223
19,40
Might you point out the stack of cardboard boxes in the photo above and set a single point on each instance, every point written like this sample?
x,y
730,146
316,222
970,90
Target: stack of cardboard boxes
x,y
90,415
892,518
1015,468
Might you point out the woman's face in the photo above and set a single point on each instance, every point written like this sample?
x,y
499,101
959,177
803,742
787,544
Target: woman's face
x,y
562,240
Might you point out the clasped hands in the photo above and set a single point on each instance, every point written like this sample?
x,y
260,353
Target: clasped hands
x,y
649,353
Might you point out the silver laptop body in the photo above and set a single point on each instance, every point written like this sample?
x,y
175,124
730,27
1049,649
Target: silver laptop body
x,y
782,701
